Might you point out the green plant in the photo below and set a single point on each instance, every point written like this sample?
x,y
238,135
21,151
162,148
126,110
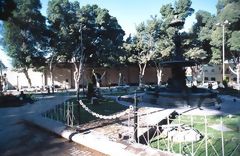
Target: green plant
x,y
10,100
90,91
225,82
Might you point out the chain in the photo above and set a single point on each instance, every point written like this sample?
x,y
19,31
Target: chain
x,y
104,116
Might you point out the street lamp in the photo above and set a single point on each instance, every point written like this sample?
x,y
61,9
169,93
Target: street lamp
x,y
223,45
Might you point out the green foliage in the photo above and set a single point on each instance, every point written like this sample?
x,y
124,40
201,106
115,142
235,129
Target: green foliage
x,y
183,8
142,47
153,40
90,91
6,8
197,54
216,57
165,45
200,37
24,34
101,33
228,10
225,82
10,100
234,41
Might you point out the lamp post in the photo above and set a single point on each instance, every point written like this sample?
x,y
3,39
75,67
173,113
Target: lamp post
x,y
238,76
223,45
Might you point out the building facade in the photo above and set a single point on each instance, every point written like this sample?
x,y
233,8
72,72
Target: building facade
x,y
214,73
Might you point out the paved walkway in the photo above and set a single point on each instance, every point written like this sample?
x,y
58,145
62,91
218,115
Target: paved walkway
x,y
19,138
230,105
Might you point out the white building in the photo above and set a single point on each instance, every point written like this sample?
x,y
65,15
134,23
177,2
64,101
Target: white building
x,y
19,80
214,73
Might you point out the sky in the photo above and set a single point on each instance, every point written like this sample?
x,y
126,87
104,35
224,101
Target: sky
x,y
130,13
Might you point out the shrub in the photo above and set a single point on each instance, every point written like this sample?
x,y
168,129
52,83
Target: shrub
x,y
90,91
225,83
10,100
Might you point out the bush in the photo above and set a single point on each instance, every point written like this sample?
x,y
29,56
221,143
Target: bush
x,y
225,83
10,100
90,91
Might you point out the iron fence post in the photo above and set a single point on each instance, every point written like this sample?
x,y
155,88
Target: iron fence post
x,y
135,117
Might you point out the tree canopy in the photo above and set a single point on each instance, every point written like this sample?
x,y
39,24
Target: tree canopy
x,y
101,33
227,10
23,35
6,8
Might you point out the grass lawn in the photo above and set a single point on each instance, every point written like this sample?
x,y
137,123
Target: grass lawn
x,y
104,107
231,138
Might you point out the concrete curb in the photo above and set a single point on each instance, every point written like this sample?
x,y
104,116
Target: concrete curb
x,y
94,140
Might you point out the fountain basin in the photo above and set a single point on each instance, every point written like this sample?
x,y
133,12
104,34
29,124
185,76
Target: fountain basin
x,y
167,97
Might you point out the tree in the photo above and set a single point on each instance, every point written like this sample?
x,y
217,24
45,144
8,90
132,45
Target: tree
x,y
227,10
102,38
24,35
63,27
87,35
154,39
200,37
6,8
152,34
165,45
140,50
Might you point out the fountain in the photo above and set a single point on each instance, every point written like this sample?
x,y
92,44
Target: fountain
x,y
176,92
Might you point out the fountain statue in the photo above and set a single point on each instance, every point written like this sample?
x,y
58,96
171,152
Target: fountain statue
x,y
176,92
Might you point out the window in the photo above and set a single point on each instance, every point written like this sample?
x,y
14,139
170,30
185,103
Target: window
x,y
213,79
213,70
205,71
206,78
227,71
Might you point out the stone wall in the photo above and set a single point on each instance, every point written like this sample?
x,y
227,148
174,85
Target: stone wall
x,y
64,76
111,77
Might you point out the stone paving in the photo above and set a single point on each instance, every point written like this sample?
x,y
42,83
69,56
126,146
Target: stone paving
x,y
36,141
19,138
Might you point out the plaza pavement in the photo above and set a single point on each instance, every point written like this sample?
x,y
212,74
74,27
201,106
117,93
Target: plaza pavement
x,y
20,138
229,105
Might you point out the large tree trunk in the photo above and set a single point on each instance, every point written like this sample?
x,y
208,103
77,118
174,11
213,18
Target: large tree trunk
x,y
98,80
77,74
120,79
142,68
159,76
25,71
159,73
51,67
